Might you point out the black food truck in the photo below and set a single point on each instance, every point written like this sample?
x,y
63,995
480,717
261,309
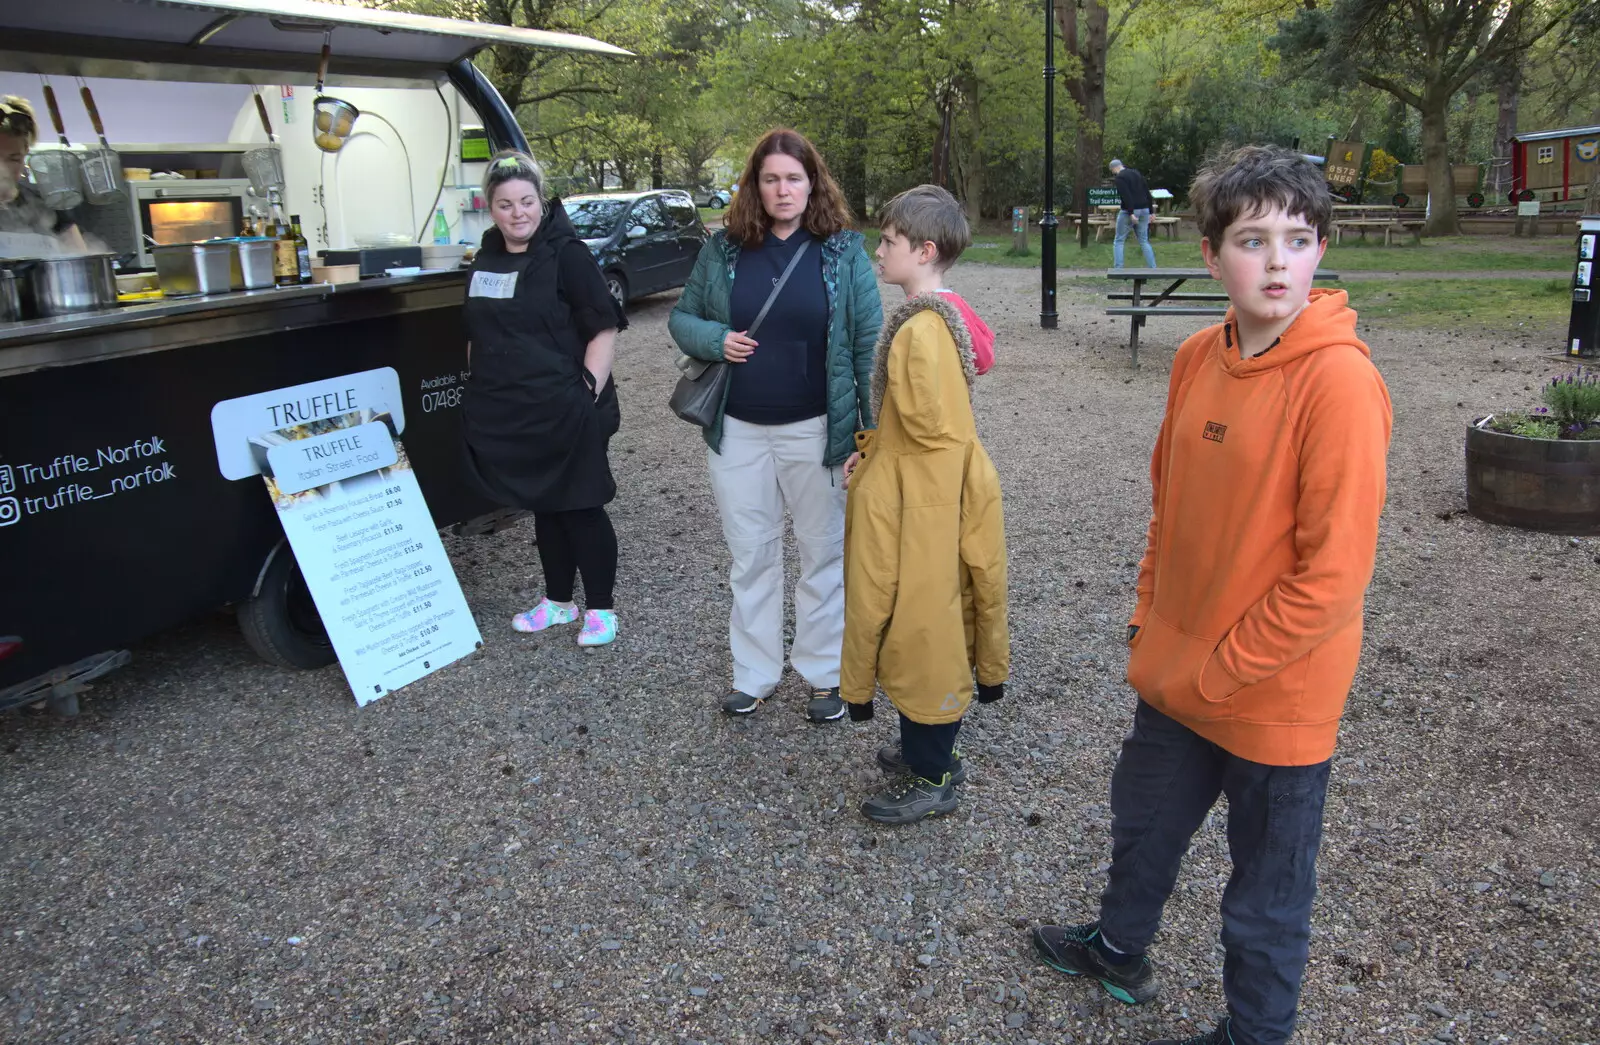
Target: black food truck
x,y
116,518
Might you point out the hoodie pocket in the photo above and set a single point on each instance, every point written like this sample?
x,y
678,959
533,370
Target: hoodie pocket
x,y
1164,666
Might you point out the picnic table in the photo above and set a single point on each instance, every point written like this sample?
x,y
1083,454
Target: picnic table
x,y
1143,304
1104,221
1351,218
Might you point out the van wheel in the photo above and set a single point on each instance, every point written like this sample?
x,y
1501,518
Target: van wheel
x,y
281,622
617,284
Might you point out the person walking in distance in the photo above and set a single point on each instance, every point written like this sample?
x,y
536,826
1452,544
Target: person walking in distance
x,y
1135,212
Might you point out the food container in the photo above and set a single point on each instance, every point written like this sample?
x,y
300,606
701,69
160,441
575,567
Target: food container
x,y
137,282
65,285
10,296
136,173
443,255
336,273
195,268
250,266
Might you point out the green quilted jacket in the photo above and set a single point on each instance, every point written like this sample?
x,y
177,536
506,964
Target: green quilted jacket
x,y
700,322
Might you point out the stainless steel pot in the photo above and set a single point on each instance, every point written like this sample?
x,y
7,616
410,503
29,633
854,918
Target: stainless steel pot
x,y
62,286
10,296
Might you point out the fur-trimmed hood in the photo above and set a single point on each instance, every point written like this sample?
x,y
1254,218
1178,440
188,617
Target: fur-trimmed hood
x,y
959,332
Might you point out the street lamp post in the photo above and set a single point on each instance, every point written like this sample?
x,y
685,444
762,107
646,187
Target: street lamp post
x,y
1047,239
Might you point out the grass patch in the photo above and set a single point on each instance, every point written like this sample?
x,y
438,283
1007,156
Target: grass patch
x,y
1446,254
712,216
1485,304
1491,304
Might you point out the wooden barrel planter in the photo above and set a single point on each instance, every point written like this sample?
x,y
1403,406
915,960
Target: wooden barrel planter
x,y
1551,485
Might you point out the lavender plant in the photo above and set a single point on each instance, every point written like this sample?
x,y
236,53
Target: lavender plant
x,y
1574,400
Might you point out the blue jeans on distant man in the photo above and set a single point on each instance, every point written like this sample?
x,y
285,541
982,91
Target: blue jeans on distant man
x,y
1140,219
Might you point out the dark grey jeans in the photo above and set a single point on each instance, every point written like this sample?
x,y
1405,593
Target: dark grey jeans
x,y
1167,778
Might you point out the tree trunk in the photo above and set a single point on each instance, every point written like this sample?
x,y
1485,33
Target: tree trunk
x,y
940,164
1436,160
972,173
1508,93
853,171
1088,91
658,170
1467,128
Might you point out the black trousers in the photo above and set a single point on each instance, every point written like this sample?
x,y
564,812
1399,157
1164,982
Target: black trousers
x,y
1166,781
928,750
573,543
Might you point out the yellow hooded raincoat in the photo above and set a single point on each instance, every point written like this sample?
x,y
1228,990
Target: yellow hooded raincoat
x,y
924,548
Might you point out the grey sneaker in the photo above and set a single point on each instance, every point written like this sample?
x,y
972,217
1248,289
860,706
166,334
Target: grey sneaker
x,y
736,703
1071,949
825,705
891,762
912,801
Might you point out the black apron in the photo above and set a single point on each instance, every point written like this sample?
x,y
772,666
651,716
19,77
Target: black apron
x,y
535,436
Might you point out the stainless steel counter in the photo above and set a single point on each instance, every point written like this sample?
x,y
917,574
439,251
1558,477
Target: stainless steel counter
x,y
170,323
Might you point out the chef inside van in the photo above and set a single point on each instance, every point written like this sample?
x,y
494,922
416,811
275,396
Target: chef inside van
x,y
28,227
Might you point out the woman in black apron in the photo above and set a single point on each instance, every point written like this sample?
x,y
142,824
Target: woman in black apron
x,y
541,405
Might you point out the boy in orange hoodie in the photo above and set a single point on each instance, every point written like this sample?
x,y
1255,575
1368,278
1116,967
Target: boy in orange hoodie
x,y
1268,478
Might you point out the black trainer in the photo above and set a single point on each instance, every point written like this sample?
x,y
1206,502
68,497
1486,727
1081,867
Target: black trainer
x,y
736,703
1221,1036
912,801
889,758
1070,949
825,705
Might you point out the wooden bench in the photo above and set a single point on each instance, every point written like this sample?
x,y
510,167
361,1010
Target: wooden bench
x,y
1142,305
1388,226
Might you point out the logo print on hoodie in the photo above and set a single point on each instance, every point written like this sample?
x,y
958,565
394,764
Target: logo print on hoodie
x,y
1215,432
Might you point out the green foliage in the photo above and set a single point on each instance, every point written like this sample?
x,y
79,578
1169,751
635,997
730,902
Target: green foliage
x,y
1534,427
1574,398
898,92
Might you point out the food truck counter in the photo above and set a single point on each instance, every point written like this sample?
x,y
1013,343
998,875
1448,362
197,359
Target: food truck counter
x,y
174,322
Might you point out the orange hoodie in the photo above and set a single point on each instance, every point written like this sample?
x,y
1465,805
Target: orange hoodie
x,y
1268,480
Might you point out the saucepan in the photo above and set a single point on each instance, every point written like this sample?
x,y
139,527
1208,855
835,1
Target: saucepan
x,y
65,285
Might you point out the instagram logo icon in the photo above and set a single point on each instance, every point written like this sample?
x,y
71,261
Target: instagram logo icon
x,y
10,511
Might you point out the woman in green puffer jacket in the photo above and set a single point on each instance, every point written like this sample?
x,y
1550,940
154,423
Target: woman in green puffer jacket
x,y
798,392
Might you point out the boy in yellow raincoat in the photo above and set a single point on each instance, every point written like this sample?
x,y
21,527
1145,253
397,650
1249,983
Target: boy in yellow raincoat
x,y
925,546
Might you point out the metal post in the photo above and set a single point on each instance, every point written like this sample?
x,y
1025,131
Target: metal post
x,y
1047,239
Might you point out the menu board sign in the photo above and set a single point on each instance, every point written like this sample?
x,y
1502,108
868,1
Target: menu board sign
x,y
361,532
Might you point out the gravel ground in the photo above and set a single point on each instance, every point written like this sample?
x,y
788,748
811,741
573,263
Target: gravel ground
x,y
542,844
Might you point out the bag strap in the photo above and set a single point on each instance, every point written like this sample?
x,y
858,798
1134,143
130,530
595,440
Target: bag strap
x,y
778,288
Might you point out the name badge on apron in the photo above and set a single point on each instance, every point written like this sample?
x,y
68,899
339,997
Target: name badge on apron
x,y
493,285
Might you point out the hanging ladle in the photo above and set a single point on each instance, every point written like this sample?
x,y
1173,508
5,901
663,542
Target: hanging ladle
x,y
333,119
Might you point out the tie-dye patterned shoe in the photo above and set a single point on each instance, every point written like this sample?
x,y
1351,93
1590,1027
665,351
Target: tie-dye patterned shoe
x,y
599,628
545,615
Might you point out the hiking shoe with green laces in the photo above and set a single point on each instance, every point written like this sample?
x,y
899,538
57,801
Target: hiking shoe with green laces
x,y
1221,1036
891,762
1071,949
736,703
825,705
911,801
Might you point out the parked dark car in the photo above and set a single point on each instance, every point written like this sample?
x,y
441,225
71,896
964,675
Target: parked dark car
x,y
645,242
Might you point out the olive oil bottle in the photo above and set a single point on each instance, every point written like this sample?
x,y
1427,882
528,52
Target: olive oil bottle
x,y
302,250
